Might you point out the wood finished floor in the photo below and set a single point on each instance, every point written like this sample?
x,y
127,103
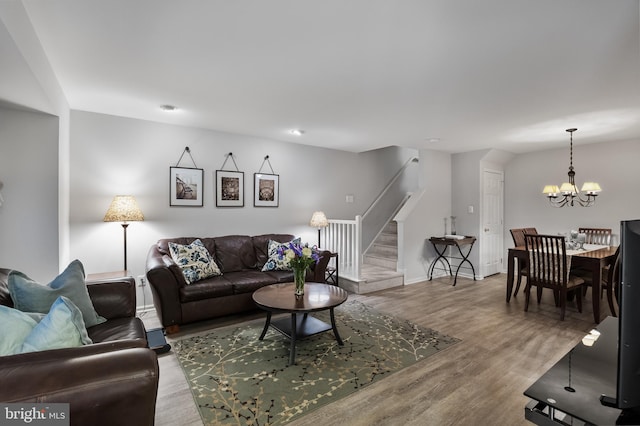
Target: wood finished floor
x,y
479,381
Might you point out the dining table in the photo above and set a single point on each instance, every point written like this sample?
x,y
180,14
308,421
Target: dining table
x,y
590,260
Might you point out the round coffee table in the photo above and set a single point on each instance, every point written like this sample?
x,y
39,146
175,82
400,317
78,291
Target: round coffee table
x,y
280,298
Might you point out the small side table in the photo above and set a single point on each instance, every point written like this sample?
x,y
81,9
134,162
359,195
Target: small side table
x,y
331,273
444,243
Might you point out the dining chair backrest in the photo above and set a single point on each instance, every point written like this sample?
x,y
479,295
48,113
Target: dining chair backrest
x,y
547,260
600,236
613,273
518,235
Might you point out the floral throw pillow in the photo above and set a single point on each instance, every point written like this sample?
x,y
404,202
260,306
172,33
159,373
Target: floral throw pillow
x,y
274,263
194,260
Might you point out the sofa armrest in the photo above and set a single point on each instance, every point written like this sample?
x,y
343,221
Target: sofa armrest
x,y
101,382
165,279
113,298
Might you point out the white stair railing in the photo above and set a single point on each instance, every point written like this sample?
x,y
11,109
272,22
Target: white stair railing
x,y
345,237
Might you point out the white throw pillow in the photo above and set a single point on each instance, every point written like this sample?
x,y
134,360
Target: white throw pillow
x,y
194,260
275,262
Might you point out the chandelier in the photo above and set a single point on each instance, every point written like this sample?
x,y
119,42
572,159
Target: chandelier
x,y
568,193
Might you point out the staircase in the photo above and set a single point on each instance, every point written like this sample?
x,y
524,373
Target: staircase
x,y
379,265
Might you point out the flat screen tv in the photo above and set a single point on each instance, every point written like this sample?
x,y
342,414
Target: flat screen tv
x,y
628,373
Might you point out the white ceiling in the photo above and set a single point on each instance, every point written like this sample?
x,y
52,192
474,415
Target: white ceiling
x,y
357,74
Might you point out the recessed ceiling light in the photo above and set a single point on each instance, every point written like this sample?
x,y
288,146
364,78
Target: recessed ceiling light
x,y
168,108
433,140
296,132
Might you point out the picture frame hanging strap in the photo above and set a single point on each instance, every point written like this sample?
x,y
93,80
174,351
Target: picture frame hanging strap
x,y
266,160
230,155
188,151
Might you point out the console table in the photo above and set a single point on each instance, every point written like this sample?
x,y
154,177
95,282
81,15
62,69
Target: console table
x,y
569,392
440,245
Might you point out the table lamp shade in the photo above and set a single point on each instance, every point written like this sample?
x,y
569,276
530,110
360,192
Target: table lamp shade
x,y
123,208
319,220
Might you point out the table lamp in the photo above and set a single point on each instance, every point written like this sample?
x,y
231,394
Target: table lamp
x,y
319,220
124,208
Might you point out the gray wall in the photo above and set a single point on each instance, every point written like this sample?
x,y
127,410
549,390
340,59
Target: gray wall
x,y
113,155
29,214
613,165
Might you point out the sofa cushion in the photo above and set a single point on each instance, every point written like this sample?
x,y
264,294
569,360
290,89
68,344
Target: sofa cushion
x,y
61,327
235,253
281,276
29,296
276,262
163,244
212,287
249,281
194,260
131,329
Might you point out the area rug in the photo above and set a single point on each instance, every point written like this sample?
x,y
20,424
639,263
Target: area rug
x,y
237,379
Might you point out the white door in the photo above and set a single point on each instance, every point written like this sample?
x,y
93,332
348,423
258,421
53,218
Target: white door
x,y
492,211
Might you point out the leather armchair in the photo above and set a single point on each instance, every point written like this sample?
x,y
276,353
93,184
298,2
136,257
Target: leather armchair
x,y
112,381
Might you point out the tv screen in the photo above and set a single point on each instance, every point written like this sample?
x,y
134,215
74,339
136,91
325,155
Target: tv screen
x,y
628,380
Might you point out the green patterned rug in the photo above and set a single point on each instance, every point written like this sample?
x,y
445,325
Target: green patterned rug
x,y
237,379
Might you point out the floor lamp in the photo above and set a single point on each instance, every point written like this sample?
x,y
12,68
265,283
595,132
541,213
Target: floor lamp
x,y
124,208
319,220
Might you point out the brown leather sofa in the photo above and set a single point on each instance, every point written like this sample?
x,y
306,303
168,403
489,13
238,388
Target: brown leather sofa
x,y
112,381
240,258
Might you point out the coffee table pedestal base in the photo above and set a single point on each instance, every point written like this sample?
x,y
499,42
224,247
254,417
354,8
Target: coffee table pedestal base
x,y
305,326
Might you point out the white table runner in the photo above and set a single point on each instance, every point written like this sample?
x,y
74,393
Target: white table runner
x,y
587,248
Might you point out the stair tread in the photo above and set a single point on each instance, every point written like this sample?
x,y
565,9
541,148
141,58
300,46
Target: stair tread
x,y
383,255
385,245
370,272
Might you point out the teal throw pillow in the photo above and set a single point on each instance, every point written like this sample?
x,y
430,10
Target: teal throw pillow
x,y
30,296
194,260
61,327
16,326
274,262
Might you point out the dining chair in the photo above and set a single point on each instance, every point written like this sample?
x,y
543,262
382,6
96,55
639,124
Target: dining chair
x,y
549,268
609,280
600,236
518,241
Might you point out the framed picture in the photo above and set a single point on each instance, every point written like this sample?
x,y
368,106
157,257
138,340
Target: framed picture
x,y
185,187
229,188
266,190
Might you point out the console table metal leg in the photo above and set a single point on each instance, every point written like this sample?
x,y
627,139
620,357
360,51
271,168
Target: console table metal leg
x,y
335,329
465,258
266,325
294,333
441,257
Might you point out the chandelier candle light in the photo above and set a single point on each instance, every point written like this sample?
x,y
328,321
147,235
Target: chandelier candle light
x,y
568,192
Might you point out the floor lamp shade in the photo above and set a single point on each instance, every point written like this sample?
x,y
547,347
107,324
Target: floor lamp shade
x,y
319,220
124,208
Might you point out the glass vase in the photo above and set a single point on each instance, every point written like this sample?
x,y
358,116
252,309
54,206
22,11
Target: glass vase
x,y
298,278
